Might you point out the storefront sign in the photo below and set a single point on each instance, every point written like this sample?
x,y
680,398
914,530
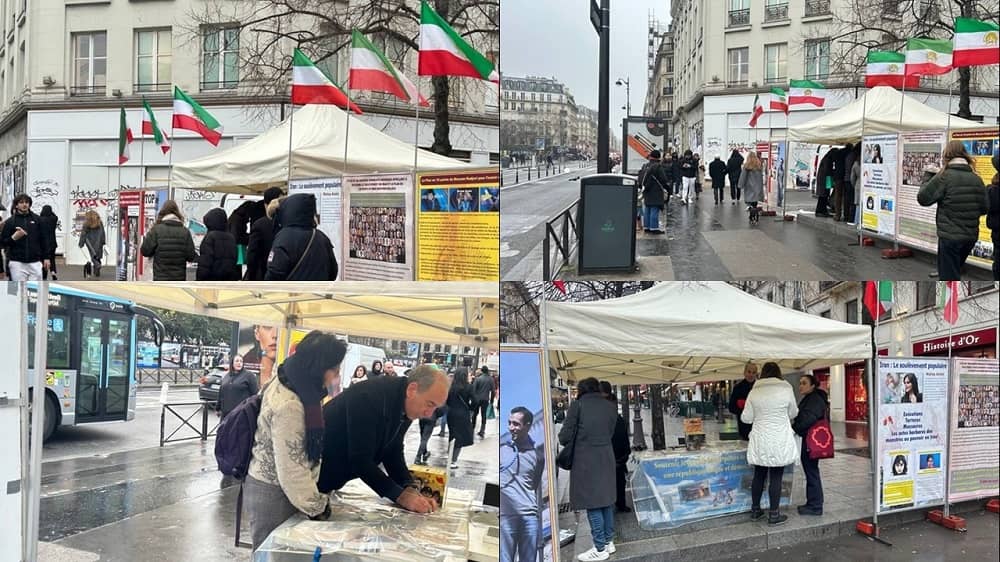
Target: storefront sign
x,y
939,346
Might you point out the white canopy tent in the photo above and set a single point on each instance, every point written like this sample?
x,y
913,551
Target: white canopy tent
x,y
881,107
455,313
319,133
691,332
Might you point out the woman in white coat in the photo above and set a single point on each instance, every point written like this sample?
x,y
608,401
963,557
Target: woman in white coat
x,y
770,407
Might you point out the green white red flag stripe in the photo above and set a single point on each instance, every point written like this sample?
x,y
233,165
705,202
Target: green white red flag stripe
x,y
928,57
806,92
443,52
151,127
372,71
779,101
977,43
951,304
758,110
193,117
889,69
878,298
124,138
311,85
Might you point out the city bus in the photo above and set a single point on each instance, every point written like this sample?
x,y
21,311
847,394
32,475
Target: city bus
x,y
91,357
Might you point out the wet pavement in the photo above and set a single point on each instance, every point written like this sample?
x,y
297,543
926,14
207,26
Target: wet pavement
x,y
153,503
708,241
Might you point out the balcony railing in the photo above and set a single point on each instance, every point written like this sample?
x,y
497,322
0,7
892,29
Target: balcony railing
x,y
737,83
158,87
228,85
739,18
817,8
777,12
88,90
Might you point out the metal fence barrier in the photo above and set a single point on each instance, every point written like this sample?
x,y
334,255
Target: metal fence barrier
x,y
562,232
202,433
156,377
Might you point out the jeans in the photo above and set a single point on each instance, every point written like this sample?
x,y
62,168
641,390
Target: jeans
x,y
773,474
951,257
814,485
426,429
602,526
651,218
443,422
519,538
686,192
720,195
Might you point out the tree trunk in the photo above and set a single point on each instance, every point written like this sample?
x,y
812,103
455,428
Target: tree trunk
x,y
964,78
442,129
656,405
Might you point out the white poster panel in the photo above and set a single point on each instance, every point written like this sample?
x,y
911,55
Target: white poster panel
x,y
974,460
919,149
879,168
330,206
912,434
642,136
379,228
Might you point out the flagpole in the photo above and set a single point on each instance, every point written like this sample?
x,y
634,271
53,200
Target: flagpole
x,y
770,156
170,162
142,145
864,111
416,128
347,127
951,87
291,124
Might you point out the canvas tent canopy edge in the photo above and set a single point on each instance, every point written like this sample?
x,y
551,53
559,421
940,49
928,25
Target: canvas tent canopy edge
x,y
692,332
318,152
881,106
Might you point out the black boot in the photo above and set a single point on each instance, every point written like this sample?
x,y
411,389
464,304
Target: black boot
x,y
756,513
774,517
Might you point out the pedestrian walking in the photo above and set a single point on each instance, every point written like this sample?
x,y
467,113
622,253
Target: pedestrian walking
x,y
301,252
238,385
752,184
717,170
217,258
50,223
738,398
426,429
655,185
261,239
482,392
734,166
25,242
689,172
619,443
589,429
288,444
676,174
993,217
699,175
459,409
170,244
92,239
813,407
961,199
770,407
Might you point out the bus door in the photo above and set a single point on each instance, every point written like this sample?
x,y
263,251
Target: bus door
x,y
104,382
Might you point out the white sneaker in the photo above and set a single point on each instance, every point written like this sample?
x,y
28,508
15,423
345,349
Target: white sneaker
x,y
610,548
454,465
592,555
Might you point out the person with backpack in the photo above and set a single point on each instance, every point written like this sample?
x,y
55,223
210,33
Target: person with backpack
x,y
218,255
288,441
655,185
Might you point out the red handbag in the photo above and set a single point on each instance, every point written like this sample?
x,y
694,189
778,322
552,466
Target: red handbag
x,y
819,440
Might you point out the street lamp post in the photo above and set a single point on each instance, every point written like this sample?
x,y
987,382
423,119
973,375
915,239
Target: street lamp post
x,y
603,105
628,96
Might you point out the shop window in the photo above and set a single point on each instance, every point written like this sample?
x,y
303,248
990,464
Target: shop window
x,y
851,311
926,294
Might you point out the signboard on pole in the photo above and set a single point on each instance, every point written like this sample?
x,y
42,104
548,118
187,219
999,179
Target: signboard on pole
x,y
981,145
974,455
379,228
911,406
918,150
878,183
642,136
330,206
458,226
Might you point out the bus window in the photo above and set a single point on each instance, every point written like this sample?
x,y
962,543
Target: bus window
x,y
59,336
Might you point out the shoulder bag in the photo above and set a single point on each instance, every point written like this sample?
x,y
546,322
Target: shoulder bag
x,y
819,439
564,459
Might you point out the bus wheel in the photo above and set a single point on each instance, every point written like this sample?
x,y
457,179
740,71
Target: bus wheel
x,y
50,418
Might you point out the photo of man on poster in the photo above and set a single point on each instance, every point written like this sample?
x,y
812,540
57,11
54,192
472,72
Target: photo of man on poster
x,y
263,348
522,466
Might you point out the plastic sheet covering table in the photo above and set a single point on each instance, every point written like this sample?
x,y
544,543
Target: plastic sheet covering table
x,y
670,489
364,527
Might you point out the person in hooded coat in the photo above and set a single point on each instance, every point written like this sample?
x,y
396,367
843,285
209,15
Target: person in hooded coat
x,y
260,240
993,216
301,252
734,166
824,172
217,259
770,407
812,408
170,245
49,223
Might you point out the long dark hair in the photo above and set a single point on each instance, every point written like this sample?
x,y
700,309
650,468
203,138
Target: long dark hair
x,y
304,374
460,379
913,384
770,370
899,459
169,208
47,211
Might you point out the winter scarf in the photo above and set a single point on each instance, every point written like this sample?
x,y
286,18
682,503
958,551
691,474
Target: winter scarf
x,y
310,393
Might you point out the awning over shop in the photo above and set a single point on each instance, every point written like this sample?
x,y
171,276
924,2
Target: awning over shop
x,y
430,312
691,332
319,133
881,106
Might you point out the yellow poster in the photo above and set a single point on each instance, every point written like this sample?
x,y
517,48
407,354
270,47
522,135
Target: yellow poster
x,y
981,144
293,340
458,226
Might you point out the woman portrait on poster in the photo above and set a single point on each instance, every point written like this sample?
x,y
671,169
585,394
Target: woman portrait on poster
x,y
899,465
911,389
891,388
877,158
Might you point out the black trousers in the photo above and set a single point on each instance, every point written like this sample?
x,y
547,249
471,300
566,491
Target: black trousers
x,y
822,204
480,409
734,192
996,258
620,474
951,257
814,484
773,475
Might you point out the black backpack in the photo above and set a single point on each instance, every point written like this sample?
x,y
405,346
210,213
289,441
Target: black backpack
x,y
234,445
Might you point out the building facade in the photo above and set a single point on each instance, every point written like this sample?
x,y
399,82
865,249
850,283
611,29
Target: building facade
x,y
538,116
66,69
728,51
660,91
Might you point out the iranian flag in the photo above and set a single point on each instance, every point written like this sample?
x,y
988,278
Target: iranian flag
x,y
779,101
928,57
806,91
124,139
151,127
977,43
311,85
889,69
372,71
878,298
193,117
758,110
443,52
951,302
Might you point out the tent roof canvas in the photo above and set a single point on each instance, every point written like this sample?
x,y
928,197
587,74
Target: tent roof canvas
x,y
320,132
691,332
881,106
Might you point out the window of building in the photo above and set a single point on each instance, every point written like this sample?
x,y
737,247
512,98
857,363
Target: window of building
x,y
220,58
825,313
153,60
851,311
739,66
90,62
973,287
926,294
817,59
776,10
776,63
739,13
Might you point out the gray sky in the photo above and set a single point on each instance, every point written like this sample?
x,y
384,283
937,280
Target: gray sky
x,y
554,38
